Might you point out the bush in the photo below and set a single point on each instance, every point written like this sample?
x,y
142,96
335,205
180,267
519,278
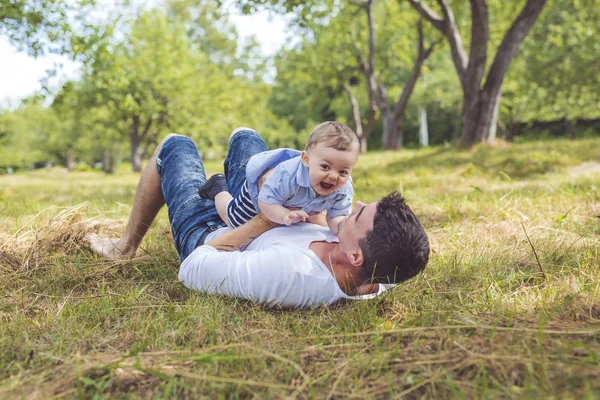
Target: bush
x,y
82,167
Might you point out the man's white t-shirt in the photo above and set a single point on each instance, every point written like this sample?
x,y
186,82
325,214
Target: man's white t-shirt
x,y
277,269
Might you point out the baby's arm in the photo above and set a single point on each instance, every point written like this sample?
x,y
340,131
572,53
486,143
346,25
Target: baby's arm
x,y
334,223
281,215
274,190
317,218
340,209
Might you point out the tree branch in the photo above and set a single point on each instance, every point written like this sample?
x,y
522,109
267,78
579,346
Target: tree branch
x,y
428,14
459,57
480,34
376,91
154,137
360,59
422,55
371,118
447,26
371,54
508,48
358,129
146,129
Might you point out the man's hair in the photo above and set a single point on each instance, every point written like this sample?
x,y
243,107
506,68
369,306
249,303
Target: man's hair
x,y
333,134
397,248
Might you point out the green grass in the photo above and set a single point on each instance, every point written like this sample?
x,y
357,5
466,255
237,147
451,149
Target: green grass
x,y
485,320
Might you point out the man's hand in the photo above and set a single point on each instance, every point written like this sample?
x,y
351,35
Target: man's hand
x,y
294,216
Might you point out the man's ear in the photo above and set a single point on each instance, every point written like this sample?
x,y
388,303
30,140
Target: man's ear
x,y
356,258
304,158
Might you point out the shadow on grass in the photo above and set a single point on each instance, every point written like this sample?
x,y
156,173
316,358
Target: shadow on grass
x,y
510,161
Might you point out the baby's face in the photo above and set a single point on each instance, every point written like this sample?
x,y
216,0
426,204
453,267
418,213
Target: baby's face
x,y
328,168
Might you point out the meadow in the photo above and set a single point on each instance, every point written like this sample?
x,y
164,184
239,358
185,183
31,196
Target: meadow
x,y
508,307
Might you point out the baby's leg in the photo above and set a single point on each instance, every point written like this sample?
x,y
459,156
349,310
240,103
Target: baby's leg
x,y
221,201
215,189
239,209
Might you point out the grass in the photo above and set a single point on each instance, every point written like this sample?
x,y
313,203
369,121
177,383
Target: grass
x,y
487,319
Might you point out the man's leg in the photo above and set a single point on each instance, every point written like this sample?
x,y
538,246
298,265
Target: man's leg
x,y
243,144
146,204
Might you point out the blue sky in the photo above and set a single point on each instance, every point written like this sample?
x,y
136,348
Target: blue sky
x,y
20,74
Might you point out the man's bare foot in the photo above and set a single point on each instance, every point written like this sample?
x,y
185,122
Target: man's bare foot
x,y
110,248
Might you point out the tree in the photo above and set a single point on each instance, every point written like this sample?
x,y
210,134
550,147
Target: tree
x,y
392,66
554,77
157,74
40,26
480,103
316,74
147,79
393,113
23,134
88,132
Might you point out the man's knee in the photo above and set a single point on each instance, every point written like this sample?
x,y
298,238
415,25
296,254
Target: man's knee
x,y
171,135
166,138
241,128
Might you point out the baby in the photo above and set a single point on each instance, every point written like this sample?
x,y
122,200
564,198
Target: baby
x,y
298,184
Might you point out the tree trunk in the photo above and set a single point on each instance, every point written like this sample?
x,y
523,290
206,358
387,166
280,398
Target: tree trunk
x,y
370,124
108,162
136,145
361,133
494,128
479,118
512,129
391,131
136,157
363,144
423,128
69,162
392,116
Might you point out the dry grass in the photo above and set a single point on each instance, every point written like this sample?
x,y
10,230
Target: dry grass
x,y
487,318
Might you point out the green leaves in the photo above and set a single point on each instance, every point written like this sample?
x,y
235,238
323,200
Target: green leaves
x,y
555,75
42,26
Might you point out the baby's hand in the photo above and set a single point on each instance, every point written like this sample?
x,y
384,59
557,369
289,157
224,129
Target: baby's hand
x,y
294,216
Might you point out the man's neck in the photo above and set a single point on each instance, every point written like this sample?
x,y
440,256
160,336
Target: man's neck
x,y
339,266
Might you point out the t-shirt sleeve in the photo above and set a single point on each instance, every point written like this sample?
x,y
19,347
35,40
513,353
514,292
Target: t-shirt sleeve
x,y
259,275
343,201
279,186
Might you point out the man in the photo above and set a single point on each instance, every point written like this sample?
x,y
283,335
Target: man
x,y
303,265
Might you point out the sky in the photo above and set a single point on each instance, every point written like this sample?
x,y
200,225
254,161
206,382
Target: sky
x,y
20,74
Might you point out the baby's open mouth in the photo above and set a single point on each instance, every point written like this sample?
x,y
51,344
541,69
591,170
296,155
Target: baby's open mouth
x,y
326,186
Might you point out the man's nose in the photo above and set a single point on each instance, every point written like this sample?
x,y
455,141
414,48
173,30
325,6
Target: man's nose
x,y
358,205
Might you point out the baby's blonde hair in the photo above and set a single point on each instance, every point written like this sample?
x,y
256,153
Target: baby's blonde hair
x,y
333,134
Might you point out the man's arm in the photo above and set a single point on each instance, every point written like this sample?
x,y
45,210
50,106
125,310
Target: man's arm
x,y
240,237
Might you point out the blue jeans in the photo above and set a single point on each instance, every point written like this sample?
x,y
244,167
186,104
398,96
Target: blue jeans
x,y
181,175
